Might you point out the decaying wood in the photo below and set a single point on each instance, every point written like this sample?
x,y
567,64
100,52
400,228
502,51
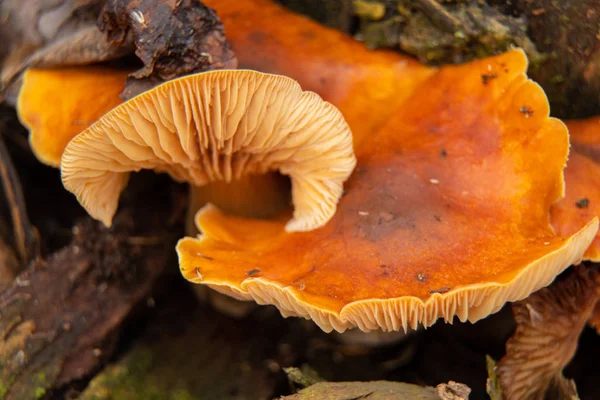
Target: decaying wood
x,y
60,318
49,33
172,37
549,323
451,32
560,37
568,33
26,239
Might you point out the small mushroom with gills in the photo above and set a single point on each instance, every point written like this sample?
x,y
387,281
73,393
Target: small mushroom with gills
x,y
219,125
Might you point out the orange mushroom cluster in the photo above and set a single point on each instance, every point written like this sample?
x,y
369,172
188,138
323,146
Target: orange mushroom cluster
x,y
445,215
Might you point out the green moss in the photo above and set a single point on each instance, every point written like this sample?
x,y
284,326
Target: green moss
x,y
493,388
39,392
124,381
458,32
5,385
134,379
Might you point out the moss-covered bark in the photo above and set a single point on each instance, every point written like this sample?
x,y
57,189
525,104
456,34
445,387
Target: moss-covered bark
x,y
561,38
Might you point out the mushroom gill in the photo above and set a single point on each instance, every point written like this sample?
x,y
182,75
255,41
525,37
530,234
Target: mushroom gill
x,y
217,126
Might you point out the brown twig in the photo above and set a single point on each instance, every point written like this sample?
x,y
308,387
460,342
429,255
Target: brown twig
x,y
26,236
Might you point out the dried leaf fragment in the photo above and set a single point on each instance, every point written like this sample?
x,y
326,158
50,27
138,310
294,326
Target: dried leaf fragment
x,y
453,391
364,390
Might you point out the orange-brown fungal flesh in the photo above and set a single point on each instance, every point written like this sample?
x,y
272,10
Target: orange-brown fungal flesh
x,y
595,319
218,125
367,86
57,104
581,202
445,215
582,178
585,136
253,196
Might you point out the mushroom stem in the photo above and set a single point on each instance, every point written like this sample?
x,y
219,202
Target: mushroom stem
x,y
252,196
26,236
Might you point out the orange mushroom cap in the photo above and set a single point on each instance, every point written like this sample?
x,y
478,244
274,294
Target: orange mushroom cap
x,y
445,215
582,176
367,86
582,200
57,104
585,136
219,125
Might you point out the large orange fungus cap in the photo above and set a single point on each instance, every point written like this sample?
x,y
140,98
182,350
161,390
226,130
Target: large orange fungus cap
x,y
57,104
219,125
446,214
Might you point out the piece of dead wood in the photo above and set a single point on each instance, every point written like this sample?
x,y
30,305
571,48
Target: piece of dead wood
x,y
172,37
60,318
9,265
568,32
549,324
378,390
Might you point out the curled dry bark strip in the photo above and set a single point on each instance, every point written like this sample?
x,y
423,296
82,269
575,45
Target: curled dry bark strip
x,y
172,38
549,323
45,33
